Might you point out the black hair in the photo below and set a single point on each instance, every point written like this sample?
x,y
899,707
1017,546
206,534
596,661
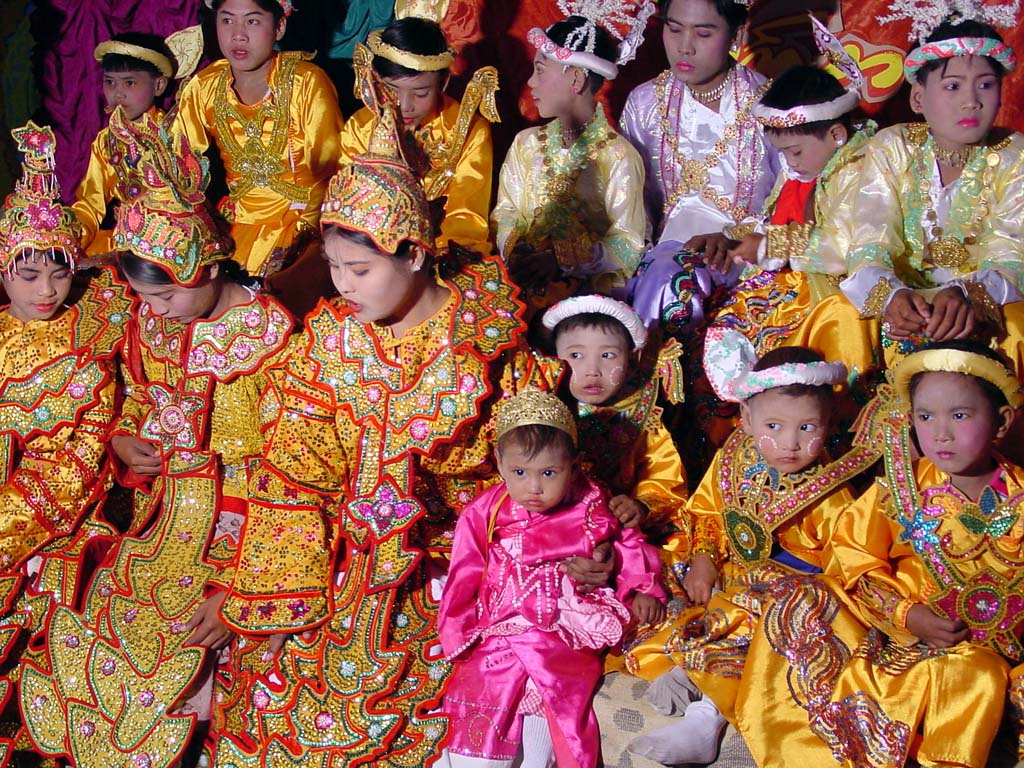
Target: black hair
x,y
801,86
993,394
120,62
270,6
146,271
597,320
947,30
404,250
415,35
534,438
605,46
796,356
734,13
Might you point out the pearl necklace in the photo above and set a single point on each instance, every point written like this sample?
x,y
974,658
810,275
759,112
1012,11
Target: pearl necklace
x,y
711,95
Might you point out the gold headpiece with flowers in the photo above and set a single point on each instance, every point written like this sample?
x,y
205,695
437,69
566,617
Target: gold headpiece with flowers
x,y
994,372
33,217
168,224
377,194
533,406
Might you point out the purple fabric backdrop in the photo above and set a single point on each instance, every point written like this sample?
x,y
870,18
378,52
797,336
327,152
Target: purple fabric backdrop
x,y
71,80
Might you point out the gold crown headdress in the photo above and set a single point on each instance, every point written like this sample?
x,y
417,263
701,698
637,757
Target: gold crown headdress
x,y
377,193
431,10
186,46
33,217
533,406
168,224
958,361
925,15
626,20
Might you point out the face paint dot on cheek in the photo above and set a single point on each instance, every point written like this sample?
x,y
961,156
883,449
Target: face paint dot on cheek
x,y
814,446
766,441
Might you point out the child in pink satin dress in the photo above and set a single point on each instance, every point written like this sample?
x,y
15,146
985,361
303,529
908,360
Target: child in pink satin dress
x,y
523,640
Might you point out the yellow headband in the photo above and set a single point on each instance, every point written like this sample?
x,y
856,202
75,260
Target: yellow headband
x,y
531,406
416,61
147,55
957,361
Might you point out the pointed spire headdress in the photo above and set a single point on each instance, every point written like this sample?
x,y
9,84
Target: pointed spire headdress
x,y
33,217
626,20
925,15
169,224
377,194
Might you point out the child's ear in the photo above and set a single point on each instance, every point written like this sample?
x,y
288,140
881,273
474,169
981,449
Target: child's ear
x,y
746,419
281,25
916,98
1005,417
839,134
159,86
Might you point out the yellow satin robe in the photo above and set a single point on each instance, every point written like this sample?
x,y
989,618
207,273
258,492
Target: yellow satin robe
x,y
103,182
954,697
278,154
793,298
468,191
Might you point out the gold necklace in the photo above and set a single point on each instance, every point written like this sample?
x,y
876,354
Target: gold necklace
x,y
695,177
711,95
953,158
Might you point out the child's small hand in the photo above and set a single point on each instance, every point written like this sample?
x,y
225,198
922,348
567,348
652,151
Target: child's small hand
x,y
952,316
648,610
906,314
700,579
591,572
141,457
715,247
630,512
934,630
746,249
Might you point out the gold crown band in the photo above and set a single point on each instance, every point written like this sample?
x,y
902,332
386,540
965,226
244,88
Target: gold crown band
x,y
532,406
147,55
957,361
416,61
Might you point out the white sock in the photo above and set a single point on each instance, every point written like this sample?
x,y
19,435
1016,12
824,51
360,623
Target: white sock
x,y
538,752
671,693
448,760
694,739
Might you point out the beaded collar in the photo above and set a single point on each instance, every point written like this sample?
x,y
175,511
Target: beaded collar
x,y
684,175
758,499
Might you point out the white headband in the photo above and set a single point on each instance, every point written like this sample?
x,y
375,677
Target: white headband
x,y
729,360
589,61
599,305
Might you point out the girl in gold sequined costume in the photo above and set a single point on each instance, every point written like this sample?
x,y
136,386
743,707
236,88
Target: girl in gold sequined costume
x,y
275,120
57,391
448,142
381,432
133,670
933,554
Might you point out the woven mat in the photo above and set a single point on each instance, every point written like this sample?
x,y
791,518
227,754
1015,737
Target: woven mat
x,y
623,713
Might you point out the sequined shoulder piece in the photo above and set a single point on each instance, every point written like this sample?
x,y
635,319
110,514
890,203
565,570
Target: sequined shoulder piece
x,y
51,397
962,544
758,498
489,313
103,314
241,340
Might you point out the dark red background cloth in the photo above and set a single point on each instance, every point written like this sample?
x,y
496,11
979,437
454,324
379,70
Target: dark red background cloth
x,y
486,31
